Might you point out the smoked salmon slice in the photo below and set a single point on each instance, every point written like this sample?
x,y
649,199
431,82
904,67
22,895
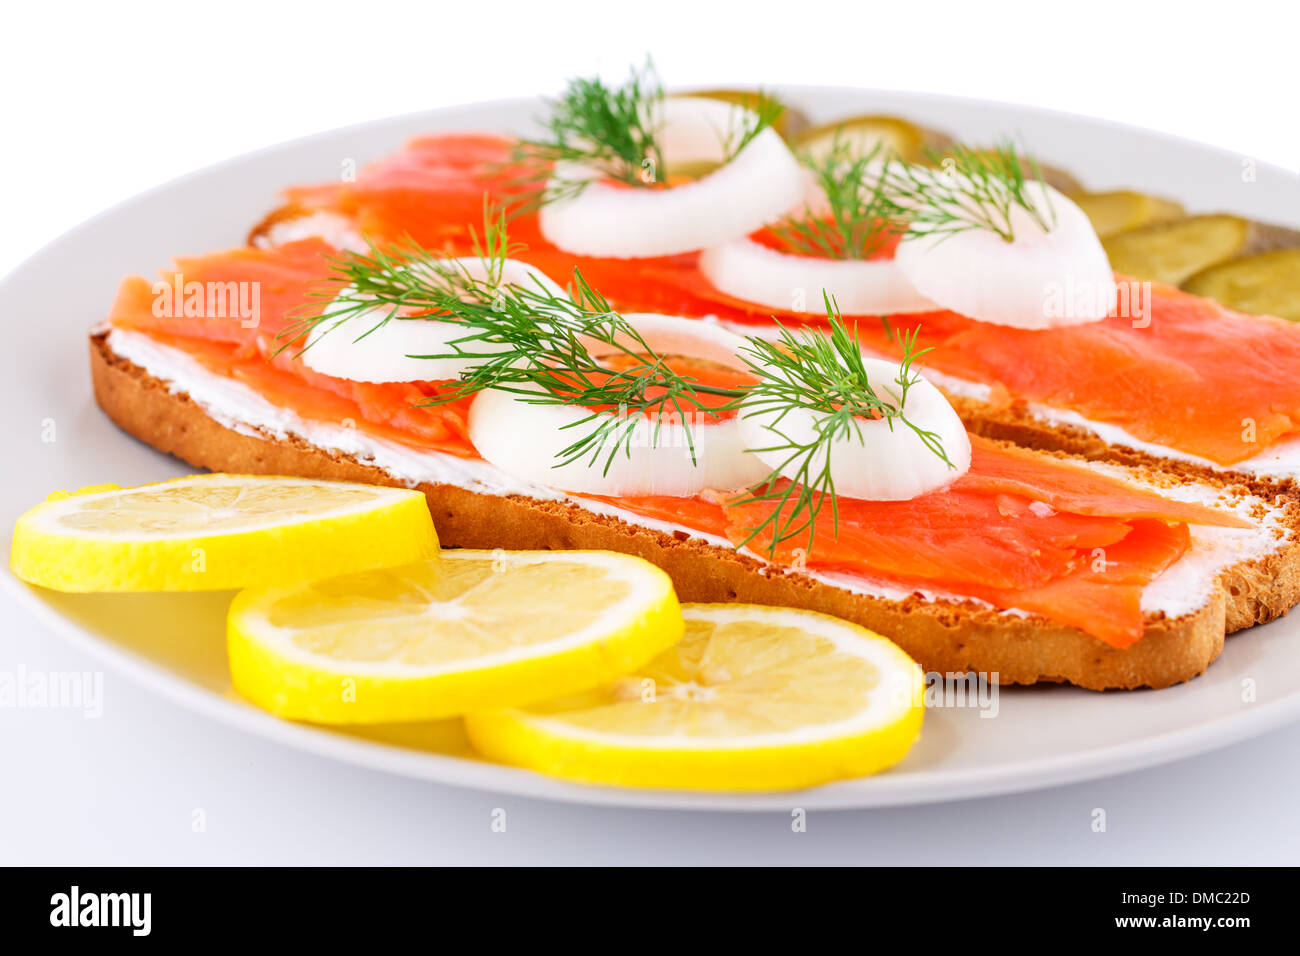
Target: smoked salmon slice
x,y
1067,486
1020,530
431,191
1085,572
253,350
280,281
1104,595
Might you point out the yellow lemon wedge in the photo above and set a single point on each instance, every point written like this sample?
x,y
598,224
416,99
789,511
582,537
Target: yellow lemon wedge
x,y
469,630
217,532
752,698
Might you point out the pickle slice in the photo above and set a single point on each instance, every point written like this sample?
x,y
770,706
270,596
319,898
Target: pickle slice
x,y
788,124
1173,252
865,133
1123,209
911,143
1264,284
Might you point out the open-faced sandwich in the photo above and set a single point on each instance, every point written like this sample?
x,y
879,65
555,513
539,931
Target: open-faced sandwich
x,y
672,335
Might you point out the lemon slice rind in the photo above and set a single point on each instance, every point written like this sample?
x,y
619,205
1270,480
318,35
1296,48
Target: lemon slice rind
x,y
280,676
100,539
870,740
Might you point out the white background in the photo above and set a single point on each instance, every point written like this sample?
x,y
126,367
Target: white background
x,y
100,101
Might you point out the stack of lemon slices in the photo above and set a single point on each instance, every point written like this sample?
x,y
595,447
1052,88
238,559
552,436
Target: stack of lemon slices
x,y
579,664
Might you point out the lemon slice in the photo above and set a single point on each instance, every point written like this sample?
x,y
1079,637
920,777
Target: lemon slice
x,y
213,532
753,698
471,629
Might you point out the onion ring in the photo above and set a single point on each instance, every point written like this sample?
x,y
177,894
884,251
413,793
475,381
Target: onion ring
x,y
526,439
367,346
760,183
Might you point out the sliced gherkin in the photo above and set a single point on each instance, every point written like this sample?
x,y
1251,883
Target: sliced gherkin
x,y
1173,252
1264,284
1121,210
864,133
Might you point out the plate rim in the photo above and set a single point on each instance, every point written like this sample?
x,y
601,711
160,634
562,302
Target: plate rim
x,y
935,786
875,792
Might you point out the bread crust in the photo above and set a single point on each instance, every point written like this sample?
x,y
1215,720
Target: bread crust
x,y
943,636
1013,422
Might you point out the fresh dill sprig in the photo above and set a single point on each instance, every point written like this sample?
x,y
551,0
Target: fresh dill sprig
x,y
825,374
556,349
859,218
613,131
970,189
610,128
523,339
760,111
401,281
495,247
539,346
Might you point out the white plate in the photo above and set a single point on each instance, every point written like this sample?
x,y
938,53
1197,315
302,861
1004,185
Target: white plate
x,y
174,644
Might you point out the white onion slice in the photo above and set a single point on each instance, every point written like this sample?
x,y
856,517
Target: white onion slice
x,y
1040,280
348,348
747,270
759,184
884,464
524,439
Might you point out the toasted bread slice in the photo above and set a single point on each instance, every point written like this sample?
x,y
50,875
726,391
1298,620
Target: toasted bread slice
x,y
943,635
